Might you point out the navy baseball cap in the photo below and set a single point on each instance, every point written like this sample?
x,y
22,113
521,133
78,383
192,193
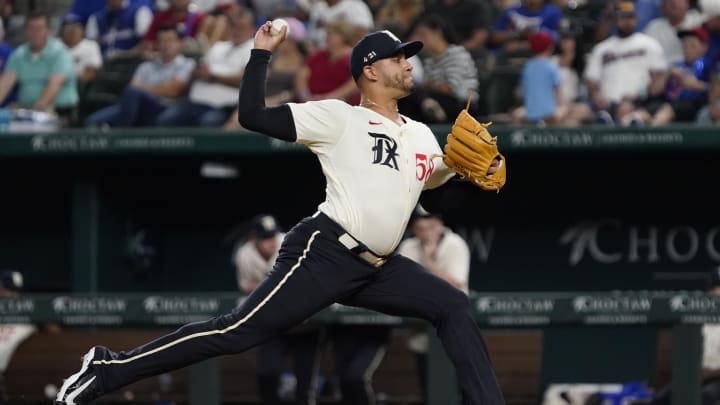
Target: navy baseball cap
x,y
379,45
11,280
264,226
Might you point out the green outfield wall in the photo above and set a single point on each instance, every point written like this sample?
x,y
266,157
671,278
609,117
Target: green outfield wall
x,y
585,210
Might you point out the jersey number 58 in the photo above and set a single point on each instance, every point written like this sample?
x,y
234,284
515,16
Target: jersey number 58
x,y
423,167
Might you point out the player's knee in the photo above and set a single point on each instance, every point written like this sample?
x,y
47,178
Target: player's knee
x,y
455,304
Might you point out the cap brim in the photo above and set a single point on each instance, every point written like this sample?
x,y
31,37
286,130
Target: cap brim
x,y
410,48
684,33
407,48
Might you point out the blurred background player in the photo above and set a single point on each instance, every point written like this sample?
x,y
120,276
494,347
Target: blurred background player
x,y
442,252
254,259
11,335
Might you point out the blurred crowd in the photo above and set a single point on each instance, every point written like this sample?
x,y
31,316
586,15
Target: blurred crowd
x,y
172,63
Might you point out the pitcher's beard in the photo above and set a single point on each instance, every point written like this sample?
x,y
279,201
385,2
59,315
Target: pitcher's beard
x,y
404,89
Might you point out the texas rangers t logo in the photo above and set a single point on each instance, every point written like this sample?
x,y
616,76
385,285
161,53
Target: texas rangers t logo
x,y
384,151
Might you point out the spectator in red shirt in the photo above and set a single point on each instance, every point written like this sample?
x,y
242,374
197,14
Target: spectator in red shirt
x,y
191,25
326,73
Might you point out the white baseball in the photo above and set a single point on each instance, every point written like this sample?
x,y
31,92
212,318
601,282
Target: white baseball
x,y
277,25
50,391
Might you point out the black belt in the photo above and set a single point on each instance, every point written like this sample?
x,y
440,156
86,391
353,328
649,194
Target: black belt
x,y
361,250
353,244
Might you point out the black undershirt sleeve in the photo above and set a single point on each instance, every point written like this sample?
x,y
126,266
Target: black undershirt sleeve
x,y
276,122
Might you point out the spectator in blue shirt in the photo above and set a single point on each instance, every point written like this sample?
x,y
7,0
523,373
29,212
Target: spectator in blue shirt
x,y
711,11
515,24
119,26
85,8
540,82
5,51
687,87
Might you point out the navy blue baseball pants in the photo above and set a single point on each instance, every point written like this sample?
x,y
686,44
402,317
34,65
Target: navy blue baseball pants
x,y
313,270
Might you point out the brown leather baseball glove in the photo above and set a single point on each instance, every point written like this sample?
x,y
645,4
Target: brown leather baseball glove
x,y
471,150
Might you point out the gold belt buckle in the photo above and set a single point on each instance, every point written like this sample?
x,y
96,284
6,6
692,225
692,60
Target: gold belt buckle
x,y
350,243
372,259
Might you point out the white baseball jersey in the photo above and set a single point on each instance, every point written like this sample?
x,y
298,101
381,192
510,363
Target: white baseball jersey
x,y
375,169
11,335
452,256
711,347
250,266
622,66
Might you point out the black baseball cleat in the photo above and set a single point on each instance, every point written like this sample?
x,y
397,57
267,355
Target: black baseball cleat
x,y
83,386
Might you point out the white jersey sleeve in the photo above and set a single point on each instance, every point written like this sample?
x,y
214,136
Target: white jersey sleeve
x,y
440,175
320,124
11,336
711,347
594,64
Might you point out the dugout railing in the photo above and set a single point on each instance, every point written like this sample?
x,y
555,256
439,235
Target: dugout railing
x,y
681,312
